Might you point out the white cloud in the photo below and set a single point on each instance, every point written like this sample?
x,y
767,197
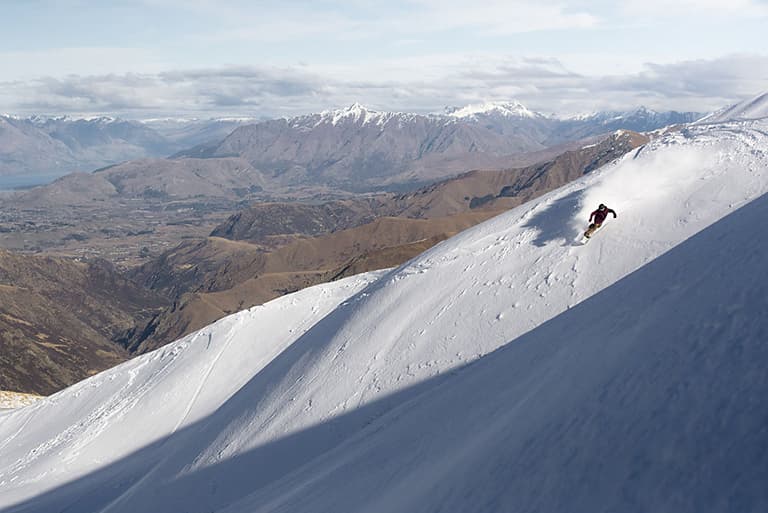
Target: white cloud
x,y
425,84
195,92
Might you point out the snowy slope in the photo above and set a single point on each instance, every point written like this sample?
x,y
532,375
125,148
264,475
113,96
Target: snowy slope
x,y
506,369
753,108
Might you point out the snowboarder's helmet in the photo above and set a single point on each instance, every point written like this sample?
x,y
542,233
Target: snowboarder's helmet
x,y
602,207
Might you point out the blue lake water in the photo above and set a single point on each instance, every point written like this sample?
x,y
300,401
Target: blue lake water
x,y
15,182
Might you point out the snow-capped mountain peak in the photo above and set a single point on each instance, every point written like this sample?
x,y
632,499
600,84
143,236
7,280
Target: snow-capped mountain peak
x,y
644,111
356,113
509,109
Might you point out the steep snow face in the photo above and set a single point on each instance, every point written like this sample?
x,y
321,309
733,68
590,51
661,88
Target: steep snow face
x,y
506,369
754,108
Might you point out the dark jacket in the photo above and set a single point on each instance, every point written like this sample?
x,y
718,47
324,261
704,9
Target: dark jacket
x,y
600,215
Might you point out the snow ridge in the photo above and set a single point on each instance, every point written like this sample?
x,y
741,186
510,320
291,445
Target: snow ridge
x,y
355,114
753,108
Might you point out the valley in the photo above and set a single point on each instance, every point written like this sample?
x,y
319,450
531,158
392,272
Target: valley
x,y
125,232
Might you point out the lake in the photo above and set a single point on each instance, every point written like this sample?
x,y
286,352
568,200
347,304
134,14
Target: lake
x,y
16,182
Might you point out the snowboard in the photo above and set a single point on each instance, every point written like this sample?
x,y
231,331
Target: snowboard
x,y
584,239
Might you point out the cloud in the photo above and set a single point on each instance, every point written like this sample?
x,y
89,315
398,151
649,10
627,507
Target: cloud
x,y
708,83
425,84
196,92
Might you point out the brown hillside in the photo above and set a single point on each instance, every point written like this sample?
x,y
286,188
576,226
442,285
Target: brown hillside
x,y
59,320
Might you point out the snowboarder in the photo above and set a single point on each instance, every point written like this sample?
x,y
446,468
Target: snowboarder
x,y
600,214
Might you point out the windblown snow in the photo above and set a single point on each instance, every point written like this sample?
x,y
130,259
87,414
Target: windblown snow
x,y
506,369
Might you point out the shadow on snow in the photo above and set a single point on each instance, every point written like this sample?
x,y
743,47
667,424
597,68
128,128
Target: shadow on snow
x,y
556,221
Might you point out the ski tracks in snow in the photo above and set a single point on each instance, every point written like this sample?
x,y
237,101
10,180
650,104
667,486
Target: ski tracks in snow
x,y
233,330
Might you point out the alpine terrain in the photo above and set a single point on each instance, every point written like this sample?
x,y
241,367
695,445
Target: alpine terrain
x,y
359,149
505,369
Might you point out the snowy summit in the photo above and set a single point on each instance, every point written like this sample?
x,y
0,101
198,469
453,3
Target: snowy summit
x,y
505,369
512,109
355,113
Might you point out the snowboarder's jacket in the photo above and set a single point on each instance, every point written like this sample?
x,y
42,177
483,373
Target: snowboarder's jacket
x,y
600,214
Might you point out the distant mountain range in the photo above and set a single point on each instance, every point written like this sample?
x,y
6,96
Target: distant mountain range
x,y
354,148
55,146
357,149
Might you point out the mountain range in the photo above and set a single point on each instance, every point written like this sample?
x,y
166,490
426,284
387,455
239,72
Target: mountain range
x,y
508,368
357,149
55,146
352,149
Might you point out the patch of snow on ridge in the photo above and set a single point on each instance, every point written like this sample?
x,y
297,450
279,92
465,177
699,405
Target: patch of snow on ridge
x,y
355,113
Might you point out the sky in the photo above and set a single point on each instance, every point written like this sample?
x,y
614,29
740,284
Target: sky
x,y
221,58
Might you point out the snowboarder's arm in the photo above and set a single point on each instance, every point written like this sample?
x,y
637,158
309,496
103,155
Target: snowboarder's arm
x,y
592,215
610,210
